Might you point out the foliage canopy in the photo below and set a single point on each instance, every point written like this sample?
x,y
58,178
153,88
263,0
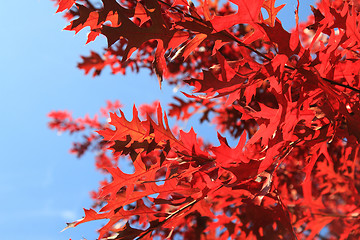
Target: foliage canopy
x,y
291,99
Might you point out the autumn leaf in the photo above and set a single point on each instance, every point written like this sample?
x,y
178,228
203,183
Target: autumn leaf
x,y
247,12
269,6
288,103
123,127
65,5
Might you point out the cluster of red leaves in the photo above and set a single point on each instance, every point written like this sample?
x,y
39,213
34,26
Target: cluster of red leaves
x,y
291,100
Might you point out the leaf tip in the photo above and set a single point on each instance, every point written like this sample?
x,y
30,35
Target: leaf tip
x,y
69,225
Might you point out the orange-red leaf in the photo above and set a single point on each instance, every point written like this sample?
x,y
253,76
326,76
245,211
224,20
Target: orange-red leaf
x,y
124,128
248,12
65,4
269,6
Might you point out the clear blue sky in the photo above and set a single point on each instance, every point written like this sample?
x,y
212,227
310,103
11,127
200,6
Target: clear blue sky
x,y
42,186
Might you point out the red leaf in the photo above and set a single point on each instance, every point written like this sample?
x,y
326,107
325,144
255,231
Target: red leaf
x,y
141,13
123,128
269,6
93,61
293,110
248,12
190,46
282,38
64,5
227,156
92,36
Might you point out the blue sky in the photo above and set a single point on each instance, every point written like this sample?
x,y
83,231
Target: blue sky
x,y
42,186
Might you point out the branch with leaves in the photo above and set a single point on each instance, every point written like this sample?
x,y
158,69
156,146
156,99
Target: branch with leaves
x,y
290,100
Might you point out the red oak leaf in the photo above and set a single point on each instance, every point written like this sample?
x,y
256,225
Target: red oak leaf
x,y
93,61
64,5
272,11
124,128
247,12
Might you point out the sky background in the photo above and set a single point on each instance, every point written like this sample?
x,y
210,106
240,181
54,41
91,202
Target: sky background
x,y
42,186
